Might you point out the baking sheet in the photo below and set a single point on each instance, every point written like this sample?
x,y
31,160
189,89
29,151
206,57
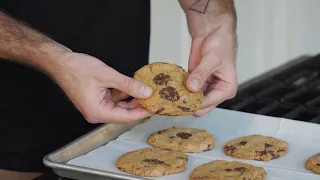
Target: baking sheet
x,y
303,139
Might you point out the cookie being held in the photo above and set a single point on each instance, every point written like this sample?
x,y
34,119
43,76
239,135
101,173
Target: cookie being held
x,y
188,140
170,95
313,163
256,147
222,170
152,162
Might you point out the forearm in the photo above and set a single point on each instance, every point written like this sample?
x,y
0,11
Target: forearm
x,y
26,46
217,10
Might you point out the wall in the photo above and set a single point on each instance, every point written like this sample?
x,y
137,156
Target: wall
x,y
271,32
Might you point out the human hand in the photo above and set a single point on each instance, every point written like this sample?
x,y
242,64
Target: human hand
x,y
212,57
87,81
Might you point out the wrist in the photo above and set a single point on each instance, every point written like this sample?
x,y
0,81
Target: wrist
x,y
212,13
50,58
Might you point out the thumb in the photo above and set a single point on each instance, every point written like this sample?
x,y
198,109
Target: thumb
x,y
131,86
197,78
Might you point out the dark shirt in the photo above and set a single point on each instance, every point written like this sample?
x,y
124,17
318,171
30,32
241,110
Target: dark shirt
x,y
36,118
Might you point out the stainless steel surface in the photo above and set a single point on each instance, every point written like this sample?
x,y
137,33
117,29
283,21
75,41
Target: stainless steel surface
x,y
57,160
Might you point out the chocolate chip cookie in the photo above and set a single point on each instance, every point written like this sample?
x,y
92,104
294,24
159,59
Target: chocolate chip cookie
x,y
152,162
189,140
256,147
222,170
170,96
313,163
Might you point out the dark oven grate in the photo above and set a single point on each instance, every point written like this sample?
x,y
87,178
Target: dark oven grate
x,y
291,91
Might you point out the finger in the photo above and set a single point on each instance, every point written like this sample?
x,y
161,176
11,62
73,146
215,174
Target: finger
x,y
110,112
216,95
205,88
129,105
120,115
129,85
195,53
117,95
203,112
208,65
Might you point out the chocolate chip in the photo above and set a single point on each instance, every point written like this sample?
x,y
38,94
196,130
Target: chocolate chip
x,y
267,145
230,148
184,135
318,164
169,93
161,79
281,150
160,110
274,156
264,152
184,109
183,158
160,131
171,137
240,169
228,170
153,161
208,148
243,143
184,101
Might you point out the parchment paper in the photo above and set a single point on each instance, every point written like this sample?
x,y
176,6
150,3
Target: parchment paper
x,y
225,125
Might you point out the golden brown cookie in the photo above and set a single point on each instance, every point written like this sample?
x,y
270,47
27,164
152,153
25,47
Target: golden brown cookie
x,y
182,139
170,95
152,162
224,170
313,163
256,147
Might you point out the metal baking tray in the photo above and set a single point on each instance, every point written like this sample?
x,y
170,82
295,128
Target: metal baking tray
x,y
57,160
102,135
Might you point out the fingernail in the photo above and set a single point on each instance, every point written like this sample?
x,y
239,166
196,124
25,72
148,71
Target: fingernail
x,y
145,91
194,84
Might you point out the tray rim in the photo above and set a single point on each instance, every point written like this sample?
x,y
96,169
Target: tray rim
x,y
57,166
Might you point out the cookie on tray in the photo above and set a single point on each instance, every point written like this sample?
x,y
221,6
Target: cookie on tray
x,y
170,96
188,140
221,170
256,147
313,163
152,162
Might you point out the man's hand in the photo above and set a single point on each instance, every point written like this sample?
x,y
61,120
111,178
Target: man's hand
x,y
212,26
97,90
86,80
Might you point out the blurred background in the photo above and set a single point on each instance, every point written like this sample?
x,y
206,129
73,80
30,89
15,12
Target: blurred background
x,y
271,33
